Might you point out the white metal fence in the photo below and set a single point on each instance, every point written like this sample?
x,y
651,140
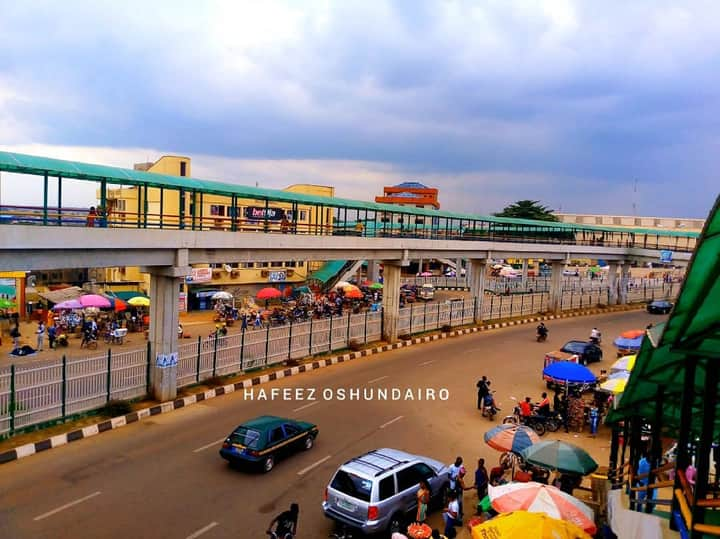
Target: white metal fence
x,y
49,390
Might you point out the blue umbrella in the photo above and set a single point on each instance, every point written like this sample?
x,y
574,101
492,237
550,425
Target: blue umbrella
x,y
569,372
628,344
513,438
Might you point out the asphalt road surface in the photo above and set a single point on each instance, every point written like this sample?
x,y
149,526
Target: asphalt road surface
x,y
163,477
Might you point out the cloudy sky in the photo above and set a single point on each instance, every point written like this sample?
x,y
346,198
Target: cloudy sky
x,y
490,101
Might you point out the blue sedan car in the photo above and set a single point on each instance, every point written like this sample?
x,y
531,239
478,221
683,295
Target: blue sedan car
x,y
261,441
659,307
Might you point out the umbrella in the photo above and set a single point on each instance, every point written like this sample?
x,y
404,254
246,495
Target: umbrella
x,y
569,372
342,284
633,333
538,498
69,304
625,363
222,295
560,456
94,300
616,384
268,293
426,274
628,344
513,438
376,286
139,301
354,293
6,304
524,525
117,304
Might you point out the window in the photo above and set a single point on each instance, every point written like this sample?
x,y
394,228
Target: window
x,y
303,215
247,265
276,264
352,485
291,264
291,430
276,435
289,215
263,264
120,204
247,437
217,210
408,478
183,168
424,470
386,489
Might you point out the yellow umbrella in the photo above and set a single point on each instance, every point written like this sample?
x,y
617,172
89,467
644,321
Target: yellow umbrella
x,y
524,525
139,301
625,363
615,385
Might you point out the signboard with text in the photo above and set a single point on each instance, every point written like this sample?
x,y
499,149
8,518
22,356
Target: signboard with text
x,y
182,302
276,276
165,361
666,257
199,275
255,213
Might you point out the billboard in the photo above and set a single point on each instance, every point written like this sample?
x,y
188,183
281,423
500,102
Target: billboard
x,y
256,213
199,275
666,257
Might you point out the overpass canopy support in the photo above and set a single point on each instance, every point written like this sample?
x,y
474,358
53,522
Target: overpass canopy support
x,y
555,299
477,270
391,300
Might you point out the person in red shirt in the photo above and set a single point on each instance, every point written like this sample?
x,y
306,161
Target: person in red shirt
x,y
544,406
525,409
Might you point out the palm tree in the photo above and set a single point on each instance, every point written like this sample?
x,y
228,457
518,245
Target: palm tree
x,y
528,209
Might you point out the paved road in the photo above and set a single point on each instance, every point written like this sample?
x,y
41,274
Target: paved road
x,y
163,478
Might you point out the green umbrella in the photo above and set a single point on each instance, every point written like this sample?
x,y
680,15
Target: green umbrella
x,y
375,286
560,456
6,304
7,290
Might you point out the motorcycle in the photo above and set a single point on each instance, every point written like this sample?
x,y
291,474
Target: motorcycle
x,y
539,423
596,340
490,410
542,336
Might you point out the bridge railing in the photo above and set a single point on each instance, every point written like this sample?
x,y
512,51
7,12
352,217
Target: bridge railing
x,y
48,391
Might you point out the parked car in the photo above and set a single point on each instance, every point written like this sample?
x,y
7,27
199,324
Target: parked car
x,y
586,351
659,307
376,492
261,441
426,292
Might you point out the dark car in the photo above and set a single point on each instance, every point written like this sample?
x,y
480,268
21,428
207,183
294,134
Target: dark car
x,y
587,351
266,438
659,307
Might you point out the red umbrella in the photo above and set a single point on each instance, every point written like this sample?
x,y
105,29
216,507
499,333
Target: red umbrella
x,y
269,293
354,293
119,305
633,333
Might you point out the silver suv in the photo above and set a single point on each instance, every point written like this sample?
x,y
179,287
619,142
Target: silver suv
x,y
376,491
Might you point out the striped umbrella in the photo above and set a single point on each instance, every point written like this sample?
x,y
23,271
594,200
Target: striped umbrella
x,y
560,456
616,384
538,498
625,363
509,437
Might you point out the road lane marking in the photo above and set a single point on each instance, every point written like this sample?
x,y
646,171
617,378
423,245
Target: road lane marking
x,y
398,418
315,465
202,530
203,448
306,406
66,506
427,363
377,379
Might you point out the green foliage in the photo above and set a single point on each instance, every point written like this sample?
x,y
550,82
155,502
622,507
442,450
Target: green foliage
x,y
528,209
117,408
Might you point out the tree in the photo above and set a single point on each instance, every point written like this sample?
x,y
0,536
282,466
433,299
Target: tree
x,y
528,209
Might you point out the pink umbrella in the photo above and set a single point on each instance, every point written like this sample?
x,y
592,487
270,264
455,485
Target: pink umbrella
x,y
69,304
426,274
93,300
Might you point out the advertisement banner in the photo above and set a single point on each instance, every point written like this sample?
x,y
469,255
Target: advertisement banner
x,y
199,275
255,213
276,276
182,302
666,257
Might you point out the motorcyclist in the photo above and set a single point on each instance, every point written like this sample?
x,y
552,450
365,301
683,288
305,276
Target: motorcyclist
x,y
286,522
542,330
595,336
525,409
544,405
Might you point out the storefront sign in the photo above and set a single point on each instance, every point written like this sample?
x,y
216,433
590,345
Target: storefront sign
x,y
666,257
276,276
182,302
254,213
199,275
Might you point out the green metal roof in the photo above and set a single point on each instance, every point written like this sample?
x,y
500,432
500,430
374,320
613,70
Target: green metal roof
x,y
693,330
30,164
328,270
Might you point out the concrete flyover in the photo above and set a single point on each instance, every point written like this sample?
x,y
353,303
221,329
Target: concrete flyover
x,y
168,255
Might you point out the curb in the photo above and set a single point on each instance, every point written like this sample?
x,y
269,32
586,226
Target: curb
x,y
165,407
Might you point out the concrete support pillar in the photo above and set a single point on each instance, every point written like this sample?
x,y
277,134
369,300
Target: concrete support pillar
x,y
477,269
373,270
612,283
391,300
556,291
524,275
623,284
164,291
458,266
421,262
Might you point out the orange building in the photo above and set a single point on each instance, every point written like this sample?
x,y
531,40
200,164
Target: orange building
x,y
410,194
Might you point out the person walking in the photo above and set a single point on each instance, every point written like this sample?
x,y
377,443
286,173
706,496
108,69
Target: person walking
x,y
481,480
52,333
15,334
450,513
40,336
423,499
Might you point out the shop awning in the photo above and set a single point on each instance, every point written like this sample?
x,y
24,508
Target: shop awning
x,y
125,295
64,294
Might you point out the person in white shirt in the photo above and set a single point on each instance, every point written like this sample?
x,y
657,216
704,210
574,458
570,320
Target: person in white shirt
x,y
451,513
40,335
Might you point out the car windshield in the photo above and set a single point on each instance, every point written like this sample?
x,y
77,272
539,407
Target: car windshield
x,y
352,485
574,347
246,437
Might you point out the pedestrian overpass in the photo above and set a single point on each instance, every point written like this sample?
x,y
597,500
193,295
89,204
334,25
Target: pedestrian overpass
x,y
176,223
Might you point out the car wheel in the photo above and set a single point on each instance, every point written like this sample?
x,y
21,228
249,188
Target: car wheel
x,y
268,464
396,523
308,443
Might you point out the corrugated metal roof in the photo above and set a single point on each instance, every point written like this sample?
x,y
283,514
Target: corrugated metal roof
x,y
31,164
